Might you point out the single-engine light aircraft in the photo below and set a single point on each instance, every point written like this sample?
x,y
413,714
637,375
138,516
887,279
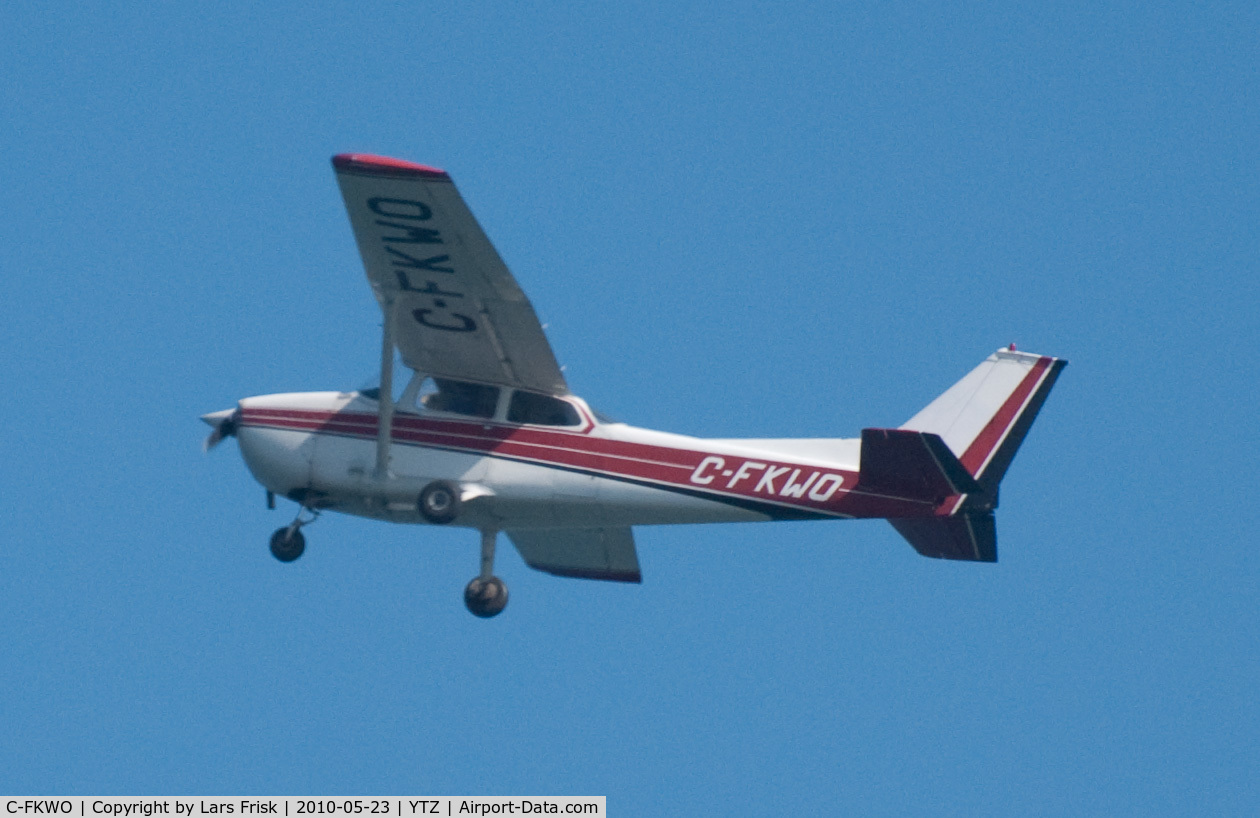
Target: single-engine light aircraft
x,y
486,434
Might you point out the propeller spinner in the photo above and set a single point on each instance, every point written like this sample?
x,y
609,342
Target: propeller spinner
x,y
224,424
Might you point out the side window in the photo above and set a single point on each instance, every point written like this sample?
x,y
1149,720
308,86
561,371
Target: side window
x,y
458,398
529,407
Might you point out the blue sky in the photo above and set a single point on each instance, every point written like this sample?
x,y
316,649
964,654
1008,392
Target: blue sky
x,y
770,220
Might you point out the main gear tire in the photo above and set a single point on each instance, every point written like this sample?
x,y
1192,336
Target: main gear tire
x,y
485,598
439,502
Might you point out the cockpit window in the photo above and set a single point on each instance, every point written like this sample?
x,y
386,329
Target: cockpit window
x,y
530,407
458,398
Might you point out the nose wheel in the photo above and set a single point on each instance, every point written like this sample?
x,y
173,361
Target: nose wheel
x,y
288,543
486,595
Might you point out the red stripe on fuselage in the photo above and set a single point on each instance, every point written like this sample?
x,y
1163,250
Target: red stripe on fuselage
x,y
603,457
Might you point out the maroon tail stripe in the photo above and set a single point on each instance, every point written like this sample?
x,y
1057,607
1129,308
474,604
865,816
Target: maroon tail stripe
x,y
984,444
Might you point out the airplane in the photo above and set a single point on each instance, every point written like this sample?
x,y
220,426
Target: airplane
x,y
486,434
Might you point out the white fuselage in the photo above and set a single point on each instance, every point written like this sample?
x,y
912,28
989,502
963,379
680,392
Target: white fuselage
x,y
320,448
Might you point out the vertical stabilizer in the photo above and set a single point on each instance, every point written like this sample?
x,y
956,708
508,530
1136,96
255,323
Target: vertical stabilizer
x,y
982,420
984,417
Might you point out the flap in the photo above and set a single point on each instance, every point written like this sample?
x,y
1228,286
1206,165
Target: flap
x,y
588,553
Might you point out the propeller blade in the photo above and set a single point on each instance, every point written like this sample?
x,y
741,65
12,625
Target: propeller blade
x,y
224,424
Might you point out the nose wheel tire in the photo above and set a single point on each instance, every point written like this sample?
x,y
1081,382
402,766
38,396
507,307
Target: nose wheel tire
x,y
486,597
439,502
287,545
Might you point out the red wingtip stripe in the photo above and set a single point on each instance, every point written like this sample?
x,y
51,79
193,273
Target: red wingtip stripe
x,y
371,163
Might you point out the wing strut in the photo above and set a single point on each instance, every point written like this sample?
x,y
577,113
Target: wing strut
x,y
385,415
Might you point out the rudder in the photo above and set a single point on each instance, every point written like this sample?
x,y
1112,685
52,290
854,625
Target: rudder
x,y
982,419
971,536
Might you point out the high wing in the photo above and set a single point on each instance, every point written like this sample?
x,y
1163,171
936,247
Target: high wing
x,y
589,553
453,307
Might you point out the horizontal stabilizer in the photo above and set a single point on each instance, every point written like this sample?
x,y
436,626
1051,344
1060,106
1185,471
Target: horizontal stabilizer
x,y
587,553
971,536
906,463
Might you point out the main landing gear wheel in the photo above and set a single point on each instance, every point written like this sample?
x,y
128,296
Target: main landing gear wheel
x,y
287,544
486,595
439,502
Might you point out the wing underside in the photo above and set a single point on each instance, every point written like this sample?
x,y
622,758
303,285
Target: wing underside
x,y
588,553
454,308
